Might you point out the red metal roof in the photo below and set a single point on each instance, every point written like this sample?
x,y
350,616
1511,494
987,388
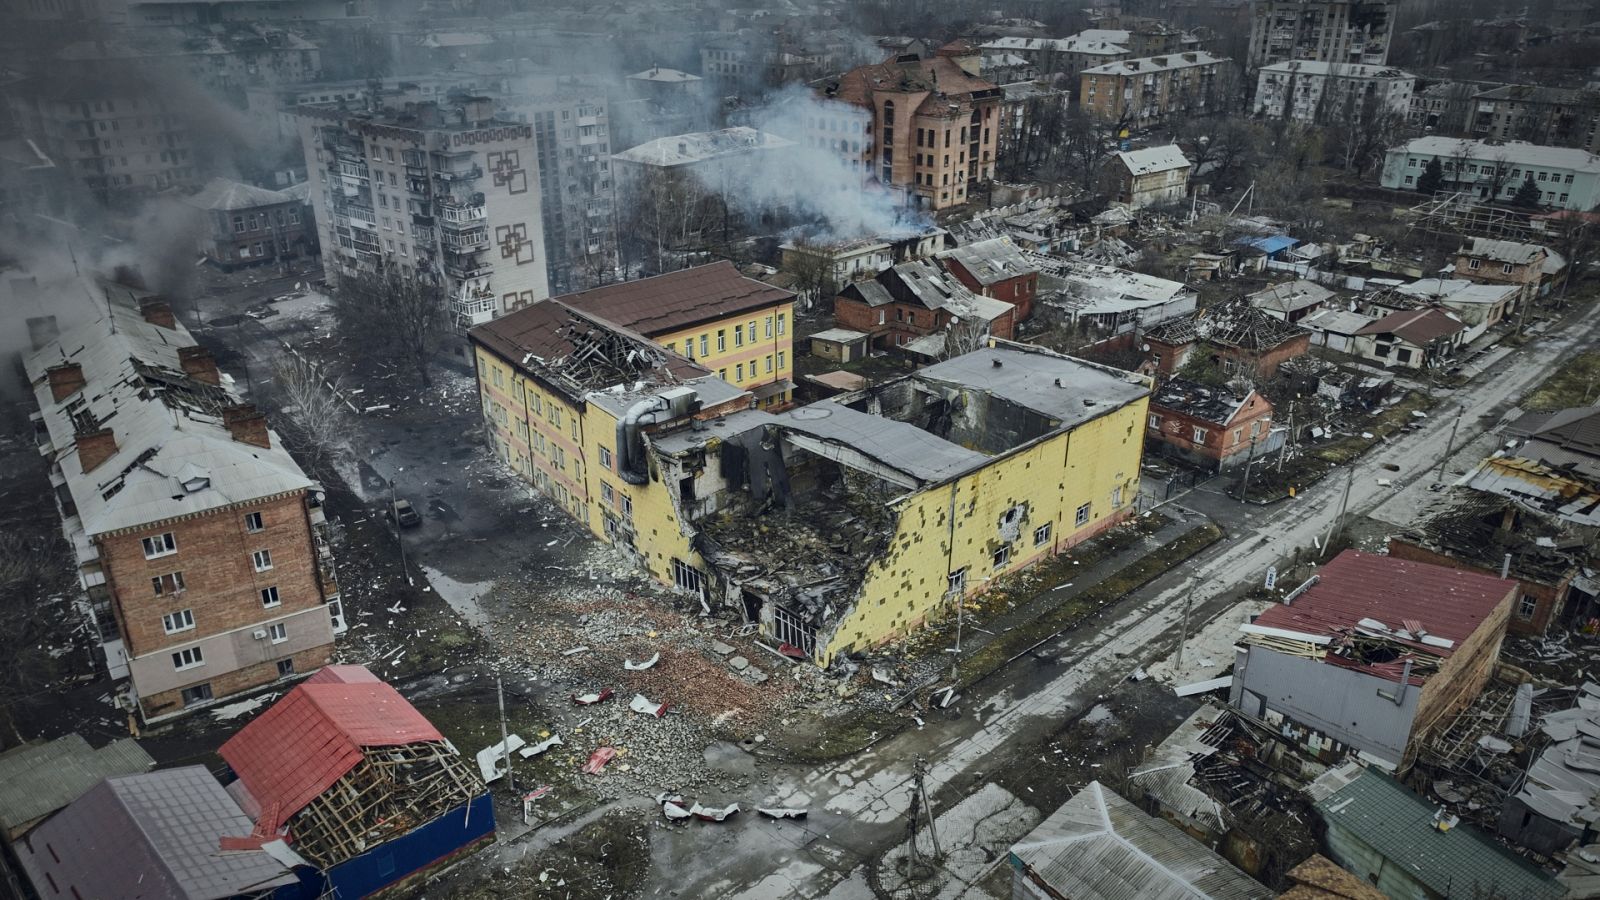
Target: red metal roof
x,y
1448,603
667,303
343,675
305,742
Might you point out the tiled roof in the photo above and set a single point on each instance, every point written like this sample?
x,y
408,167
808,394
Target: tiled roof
x,y
1396,823
1098,846
306,741
914,76
678,300
38,779
153,835
1420,327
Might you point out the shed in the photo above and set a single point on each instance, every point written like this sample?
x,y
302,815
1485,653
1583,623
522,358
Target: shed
x,y
1099,846
840,344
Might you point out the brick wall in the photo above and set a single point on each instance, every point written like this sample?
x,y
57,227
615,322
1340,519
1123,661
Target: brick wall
x,y
221,585
1461,677
1175,429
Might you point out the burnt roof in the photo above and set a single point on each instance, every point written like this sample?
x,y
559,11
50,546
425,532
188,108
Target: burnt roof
x,y
938,77
678,300
1211,404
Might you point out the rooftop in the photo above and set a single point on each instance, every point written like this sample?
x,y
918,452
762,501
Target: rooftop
x,y
306,741
226,194
702,146
1420,327
1098,846
936,78
1481,528
174,456
161,831
1153,159
1149,64
1337,70
672,302
991,261
39,778
663,75
1419,611
1066,391
1563,781
1337,321
1398,824
1290,296
1209,404
1524,153
1514,252
924,457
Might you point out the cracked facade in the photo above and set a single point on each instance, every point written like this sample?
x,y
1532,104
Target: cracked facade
x,y
833,527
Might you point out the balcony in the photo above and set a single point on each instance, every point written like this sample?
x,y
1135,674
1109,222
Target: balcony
x,y
361,217
458,216
466,241
466,266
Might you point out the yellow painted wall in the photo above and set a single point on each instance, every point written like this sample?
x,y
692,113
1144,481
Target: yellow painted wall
x,y
537,432
908,583
742,362
648,508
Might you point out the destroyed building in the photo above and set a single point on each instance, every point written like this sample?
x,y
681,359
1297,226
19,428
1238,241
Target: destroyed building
x,y
845,261
1555,803
914,307
1486,532
996,268
1216,428
362,786
1371,655
1106,298
202,548
844,524
1237,338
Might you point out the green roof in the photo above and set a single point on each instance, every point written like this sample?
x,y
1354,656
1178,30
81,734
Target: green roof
x,y
1461,862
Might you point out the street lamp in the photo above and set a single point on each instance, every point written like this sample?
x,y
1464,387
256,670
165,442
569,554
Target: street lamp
x,y
399,536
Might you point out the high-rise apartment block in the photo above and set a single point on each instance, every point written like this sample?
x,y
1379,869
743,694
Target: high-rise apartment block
x,y
444,191
1333,31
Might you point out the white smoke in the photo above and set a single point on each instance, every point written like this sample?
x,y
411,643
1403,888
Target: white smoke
x,y
829,199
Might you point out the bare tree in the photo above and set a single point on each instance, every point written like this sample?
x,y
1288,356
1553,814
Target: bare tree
x,y
392,313
312,401
815,280
963,336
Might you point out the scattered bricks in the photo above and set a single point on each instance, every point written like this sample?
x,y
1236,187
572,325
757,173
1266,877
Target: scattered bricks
x,y
720,648
738,664
756,675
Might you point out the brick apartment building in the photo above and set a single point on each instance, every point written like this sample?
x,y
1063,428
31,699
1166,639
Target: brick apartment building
x,y
244,225
933,127
1139,93
202,548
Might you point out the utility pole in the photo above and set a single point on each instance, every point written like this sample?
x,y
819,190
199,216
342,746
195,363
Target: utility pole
x,y
1449,446
399,535
505,745
1244,492
1284,450
1183,633
919,801
1338,519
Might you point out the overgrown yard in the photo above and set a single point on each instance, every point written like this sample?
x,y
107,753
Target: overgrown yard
x,y
1576,383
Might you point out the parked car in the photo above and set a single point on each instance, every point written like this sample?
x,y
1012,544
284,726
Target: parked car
x,y
403,513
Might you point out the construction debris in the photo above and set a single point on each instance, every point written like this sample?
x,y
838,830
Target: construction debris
x,y
491,759
598,760
632,666
536,749
645,706
709,814
591,699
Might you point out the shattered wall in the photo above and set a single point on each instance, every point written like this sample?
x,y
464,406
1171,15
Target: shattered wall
x,y
958,527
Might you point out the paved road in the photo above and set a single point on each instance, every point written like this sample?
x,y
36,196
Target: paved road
x,y
856,803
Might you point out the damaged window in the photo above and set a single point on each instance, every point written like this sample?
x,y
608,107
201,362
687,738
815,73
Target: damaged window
x,y
1082,518
1527,606
160,545
170,583
1041,535
1002,556
956,582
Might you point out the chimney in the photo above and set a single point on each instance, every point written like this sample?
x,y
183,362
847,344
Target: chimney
x,y
247,425
199,364
95,447
157,311
65,380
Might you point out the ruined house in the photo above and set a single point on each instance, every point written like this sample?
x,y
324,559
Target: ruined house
x,y
360,784
1237,338
840,525
1216,428
914,306
1372,656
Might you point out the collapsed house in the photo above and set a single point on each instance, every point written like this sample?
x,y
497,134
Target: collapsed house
x,y
1486,532
1216,428
1371,655
362,786
919,309
1237,338
1556,802
840,525
844,261
1109,299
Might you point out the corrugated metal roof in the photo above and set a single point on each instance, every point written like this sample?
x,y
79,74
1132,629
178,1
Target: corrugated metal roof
x,y
1520,152
152,835
306,741
1098,846
677,300
1399,825
991,261
1419,327
1153,159
38,779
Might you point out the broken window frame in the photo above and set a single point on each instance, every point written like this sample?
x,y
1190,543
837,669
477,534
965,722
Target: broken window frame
x,y
196,693
1041,535
253,523
1001,557
168,584
1081,517
1527,606
164,544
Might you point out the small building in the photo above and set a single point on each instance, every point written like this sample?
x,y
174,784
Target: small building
x,y
1338,329
666,86
1551,808
1098,846
1109,299
1504,262
1236,338
1373,655
1408,848
172,833
916,300
1290,301
840,344
1320,878
996,268
1478,306
1154,176
1413,339
40,777
243,225
841,262
363,787
1215,428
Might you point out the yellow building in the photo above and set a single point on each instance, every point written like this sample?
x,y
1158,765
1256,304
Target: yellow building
x,y
836,526
737,327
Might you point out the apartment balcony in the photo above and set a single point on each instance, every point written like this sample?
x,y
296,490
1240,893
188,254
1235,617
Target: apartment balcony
x,y
591,120
454,216
463,267
467,241
361,217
